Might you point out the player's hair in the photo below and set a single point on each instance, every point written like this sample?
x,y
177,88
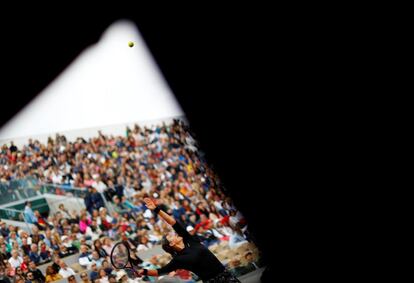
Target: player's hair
x,y
166,246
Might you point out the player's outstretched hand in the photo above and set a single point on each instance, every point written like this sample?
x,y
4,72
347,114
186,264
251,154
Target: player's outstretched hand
x,y
150,203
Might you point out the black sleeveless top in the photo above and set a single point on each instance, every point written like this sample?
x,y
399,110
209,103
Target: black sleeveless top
x,y
194,257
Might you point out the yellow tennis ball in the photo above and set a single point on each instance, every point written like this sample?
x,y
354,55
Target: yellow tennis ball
x,y
130,44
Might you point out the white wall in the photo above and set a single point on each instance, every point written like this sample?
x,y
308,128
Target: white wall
x,y
109,84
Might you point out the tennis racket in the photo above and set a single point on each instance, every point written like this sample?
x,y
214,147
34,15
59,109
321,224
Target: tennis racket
x,y
121,258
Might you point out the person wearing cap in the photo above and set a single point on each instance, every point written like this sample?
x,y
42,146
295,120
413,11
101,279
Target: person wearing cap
x,y
190,229
94,272
122,276
187,252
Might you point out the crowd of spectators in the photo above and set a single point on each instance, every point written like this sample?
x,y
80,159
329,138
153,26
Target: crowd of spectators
x,y
115,173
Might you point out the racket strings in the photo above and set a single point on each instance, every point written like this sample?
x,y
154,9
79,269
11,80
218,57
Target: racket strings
x,y
120,256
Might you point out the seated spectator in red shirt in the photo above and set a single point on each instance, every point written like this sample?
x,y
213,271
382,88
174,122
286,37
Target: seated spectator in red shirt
x,y
41,222
25,264
205,223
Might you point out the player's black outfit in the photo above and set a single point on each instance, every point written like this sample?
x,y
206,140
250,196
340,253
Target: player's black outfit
x,y
198,259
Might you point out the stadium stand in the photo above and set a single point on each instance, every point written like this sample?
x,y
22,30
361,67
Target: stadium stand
x,y
72,201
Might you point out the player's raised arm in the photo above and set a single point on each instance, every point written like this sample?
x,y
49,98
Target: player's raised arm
x,y
153,206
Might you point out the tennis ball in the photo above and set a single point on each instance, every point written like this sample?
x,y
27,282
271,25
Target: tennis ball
x,y
130,44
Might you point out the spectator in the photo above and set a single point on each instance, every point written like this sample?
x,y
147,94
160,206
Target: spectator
x,y
103,277
85,257
36,237
84,223
3,277
48,238
15,245
64,252
64,211
3,251
236,239
107,245
55,264
99,185
4,230
52,275
55,245
34,254
111,278
29,215
122,277
98,247
14,238
222,231
41,222
37,274
204,223
94,272
95,258
10,270
93,231
105,219
88,200
118,206
84,278
65,271
97,200
72,279
25,265
107,266
44,254
19,272
12,147
15,260
144,244
30,278
25,246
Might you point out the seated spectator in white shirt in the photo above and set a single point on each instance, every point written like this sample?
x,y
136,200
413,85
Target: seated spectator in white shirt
x,y
95,258
65,271
15,260
100,186
103,276
85,258
237,238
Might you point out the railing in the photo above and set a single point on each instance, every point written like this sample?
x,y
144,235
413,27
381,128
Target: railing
x,y
15,215
26,188
18,190
11,214
23,189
